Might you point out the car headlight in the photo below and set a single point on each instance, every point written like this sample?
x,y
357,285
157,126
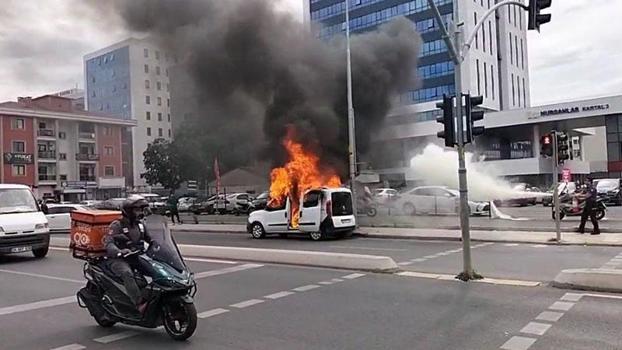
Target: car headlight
x,y
41,226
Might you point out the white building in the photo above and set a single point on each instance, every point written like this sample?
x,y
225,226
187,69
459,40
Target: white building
x,y
130,80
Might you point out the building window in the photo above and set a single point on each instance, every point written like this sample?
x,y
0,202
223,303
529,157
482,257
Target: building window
x,y
160,132
511,52
475,23
168,102
479,91
159,86
109,150
108,170
157,70
146,68
18,123
524,94
62,135
159,101
107,131
520,20
166,70
62,177
159,117
148,131
19,147
169,118
518,89
485,80
62,156
522,54
492,81
147,84
19,170
148,115
516,48
514,9
146,53
513,95
490,36
157,54
484,38
148,100
169,132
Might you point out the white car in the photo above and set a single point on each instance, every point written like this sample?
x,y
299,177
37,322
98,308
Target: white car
x,y
59,216
184,204
384,195
323,212
23,226
436,200
156,203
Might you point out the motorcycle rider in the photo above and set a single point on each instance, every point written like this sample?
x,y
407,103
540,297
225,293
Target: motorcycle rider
x,y
590,197
124,235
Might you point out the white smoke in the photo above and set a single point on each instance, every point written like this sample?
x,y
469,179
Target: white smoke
x,y
437,166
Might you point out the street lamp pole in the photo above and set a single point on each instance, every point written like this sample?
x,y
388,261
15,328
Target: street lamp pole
x,y
351,126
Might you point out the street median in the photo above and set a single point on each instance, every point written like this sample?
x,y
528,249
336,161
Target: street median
x,y
598,280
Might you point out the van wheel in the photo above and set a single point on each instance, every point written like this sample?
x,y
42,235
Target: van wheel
x,y
317,236
409,209
257,231
41,252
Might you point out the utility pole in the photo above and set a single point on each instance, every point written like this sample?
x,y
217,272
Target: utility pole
x,y
351,125
555,159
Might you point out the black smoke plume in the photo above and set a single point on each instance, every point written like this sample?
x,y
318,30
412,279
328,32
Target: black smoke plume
x,y
256,70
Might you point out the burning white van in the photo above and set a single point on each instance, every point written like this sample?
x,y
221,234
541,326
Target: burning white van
x,y
321,213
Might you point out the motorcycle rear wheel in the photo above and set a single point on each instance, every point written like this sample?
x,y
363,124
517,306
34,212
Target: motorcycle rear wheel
x,y
600,214
179,327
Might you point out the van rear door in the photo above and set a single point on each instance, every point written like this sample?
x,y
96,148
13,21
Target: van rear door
x,y
310,212
341,209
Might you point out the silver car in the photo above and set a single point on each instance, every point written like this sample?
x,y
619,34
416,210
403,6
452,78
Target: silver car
x,y
436,200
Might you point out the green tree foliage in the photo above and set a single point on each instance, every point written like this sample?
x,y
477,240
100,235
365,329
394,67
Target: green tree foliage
x,y
163,165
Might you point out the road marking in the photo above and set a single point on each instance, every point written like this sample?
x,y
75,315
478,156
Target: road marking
x,y
337,280
365,248
306,288
405,263
481,245
518,343
506,282
42,276
353,276
607,296
418,274
549,316
217,261
226,270
445,277
326,283
561,306
571,297
511,245
212,312
279,295
539,246
114,337
419,260
536,328
37,305
247,303
59,248
71,347
430,256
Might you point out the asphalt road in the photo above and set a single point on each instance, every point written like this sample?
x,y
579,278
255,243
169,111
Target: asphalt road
x,y
517,261
537,218
265,308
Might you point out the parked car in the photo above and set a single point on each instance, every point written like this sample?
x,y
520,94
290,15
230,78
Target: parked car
x,y
110,204
384,195
59,216
436,200
323,212
609,190
90,203
184,203
521,201
261,201
23,225
157,204
563,189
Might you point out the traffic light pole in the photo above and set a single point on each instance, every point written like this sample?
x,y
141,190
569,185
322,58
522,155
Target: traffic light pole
x,y
555,158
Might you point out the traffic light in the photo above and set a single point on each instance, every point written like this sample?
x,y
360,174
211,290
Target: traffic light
x,y
562,147
473,114
535,17
447,119
546,145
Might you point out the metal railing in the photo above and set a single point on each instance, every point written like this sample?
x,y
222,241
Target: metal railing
x,y
86,135
88,178
87,157
47,154
47,177
45,132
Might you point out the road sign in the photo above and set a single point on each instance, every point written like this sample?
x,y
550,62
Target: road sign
x,y
566,175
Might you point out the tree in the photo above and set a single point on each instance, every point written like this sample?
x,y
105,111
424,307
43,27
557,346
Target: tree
x,y
162,165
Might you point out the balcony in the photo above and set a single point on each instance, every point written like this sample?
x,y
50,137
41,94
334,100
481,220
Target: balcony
x,y
47,177
46,133
87,179
47,155
86,135
82,157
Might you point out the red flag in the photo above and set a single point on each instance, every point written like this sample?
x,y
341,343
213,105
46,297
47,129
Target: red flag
x,y
217,174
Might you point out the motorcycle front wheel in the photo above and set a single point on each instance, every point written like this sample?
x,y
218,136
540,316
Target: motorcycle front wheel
x,y
371,212
179,319
600,214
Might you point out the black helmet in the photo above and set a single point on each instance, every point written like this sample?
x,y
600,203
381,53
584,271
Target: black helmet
x,y
132,202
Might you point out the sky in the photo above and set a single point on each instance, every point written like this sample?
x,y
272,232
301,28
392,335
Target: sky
x,y
42,43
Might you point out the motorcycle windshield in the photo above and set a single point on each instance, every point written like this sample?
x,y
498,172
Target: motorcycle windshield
x,y
165,250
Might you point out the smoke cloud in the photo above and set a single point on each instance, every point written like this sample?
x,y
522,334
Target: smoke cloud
x,y
259,70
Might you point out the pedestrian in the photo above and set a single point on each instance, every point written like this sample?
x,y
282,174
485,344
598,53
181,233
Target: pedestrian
x,y
590,197
173,208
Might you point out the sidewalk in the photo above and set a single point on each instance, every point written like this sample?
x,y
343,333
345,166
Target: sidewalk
x,y
441,234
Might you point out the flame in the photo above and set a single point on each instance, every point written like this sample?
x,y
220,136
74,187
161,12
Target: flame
x,y
301,173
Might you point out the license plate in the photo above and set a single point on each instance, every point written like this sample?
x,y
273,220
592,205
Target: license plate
x,y
345,221
21,249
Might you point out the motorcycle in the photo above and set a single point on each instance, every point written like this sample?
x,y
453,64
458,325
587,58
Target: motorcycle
x,y
243,208
568,208
166,282
367,207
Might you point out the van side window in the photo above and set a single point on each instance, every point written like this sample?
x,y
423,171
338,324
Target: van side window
x,y
312,199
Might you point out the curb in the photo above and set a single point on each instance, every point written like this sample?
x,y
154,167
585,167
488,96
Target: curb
x,y
597,280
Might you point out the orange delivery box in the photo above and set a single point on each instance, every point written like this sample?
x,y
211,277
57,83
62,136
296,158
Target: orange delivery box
x,y
88,230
